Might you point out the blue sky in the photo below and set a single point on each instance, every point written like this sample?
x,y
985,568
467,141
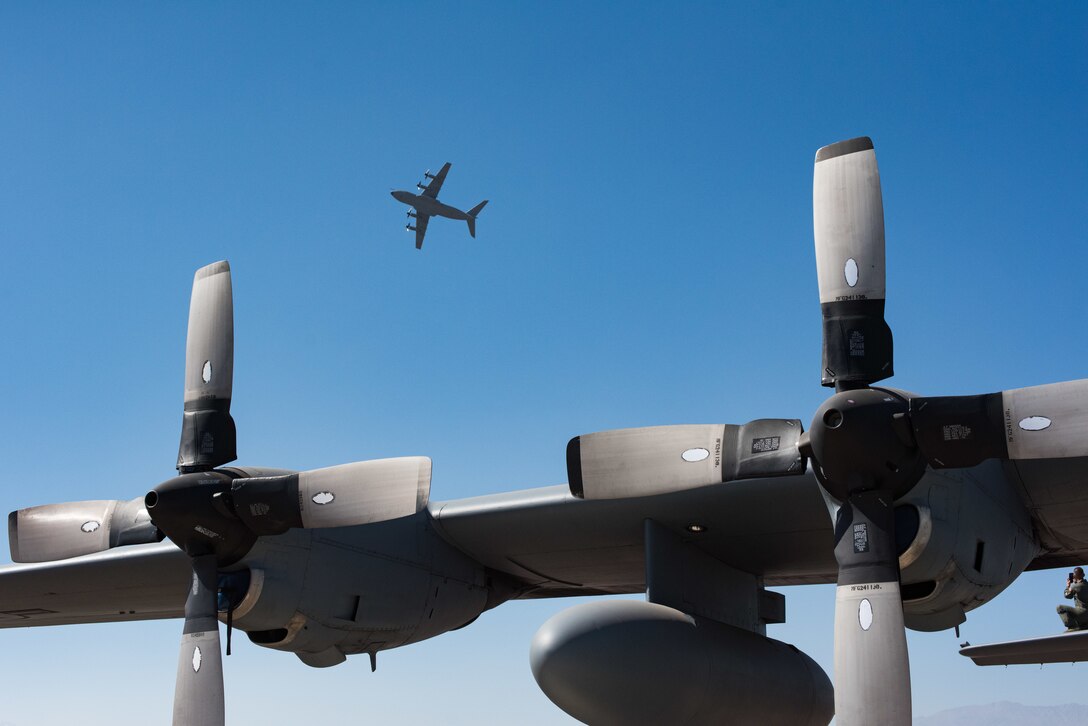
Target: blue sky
x,y
646,258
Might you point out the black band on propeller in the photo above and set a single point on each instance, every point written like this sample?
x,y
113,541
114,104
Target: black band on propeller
x,y
201,613
865,539
574,467
842,148
857,342
267,505
761,448
208,436
960,431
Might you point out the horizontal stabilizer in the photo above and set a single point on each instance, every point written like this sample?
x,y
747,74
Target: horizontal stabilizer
x,y
1061,648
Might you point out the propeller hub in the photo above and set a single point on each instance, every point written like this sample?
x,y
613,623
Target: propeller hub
x,y
189,509
861,440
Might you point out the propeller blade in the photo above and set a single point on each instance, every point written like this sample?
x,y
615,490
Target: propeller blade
x,y
1040,422
658,459
872,671
337,496
59,531
208,436
848,225
198,690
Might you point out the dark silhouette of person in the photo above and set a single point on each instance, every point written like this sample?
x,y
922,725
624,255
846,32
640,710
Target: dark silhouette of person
x,y
1075,617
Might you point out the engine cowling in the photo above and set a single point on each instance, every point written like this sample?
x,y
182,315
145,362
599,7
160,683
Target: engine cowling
x,y
633,662
972,538
327,593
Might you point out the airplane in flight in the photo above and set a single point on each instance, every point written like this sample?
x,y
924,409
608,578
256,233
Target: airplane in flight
x,y
426,205
919,508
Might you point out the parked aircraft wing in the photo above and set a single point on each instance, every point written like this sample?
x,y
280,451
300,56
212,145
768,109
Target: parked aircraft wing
x,y
421,229
138,582
557,545
435,184
1059,648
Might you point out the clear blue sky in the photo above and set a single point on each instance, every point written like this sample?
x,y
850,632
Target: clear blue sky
x,y
646,258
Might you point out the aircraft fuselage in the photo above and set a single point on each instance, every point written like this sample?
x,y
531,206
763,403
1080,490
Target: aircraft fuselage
x,y
428,206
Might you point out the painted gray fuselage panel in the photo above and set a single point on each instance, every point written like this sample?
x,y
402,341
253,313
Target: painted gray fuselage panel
x,y
428,206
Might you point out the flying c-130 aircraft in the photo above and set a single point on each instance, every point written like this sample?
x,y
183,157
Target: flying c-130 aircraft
x,y
936,505
426,205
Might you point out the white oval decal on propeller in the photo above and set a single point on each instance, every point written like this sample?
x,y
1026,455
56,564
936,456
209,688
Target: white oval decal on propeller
x,y
197,658
1035,423
865,614
851,272
323,497
694,455
91,526
206,371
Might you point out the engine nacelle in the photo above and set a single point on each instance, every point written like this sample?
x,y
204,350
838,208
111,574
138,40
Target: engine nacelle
x,y
633,662
324,594
972,538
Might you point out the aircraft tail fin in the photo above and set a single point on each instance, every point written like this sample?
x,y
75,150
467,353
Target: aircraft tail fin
x,y
472,217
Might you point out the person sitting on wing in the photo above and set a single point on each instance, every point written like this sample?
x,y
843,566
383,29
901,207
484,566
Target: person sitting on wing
x,y
1076,589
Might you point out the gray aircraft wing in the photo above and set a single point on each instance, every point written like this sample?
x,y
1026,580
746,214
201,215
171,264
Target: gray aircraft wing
x,y
778,528
552,544
556,545
435,184
138,582
421,229
1060,648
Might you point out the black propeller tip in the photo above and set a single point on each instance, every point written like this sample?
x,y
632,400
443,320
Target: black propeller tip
x,y
842,148
574,467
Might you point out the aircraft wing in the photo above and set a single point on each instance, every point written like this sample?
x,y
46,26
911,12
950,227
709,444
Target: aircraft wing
x,y
556,545
436,183
1060,648
137,582
421,229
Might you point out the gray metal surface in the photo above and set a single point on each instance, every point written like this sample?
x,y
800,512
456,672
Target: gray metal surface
x,y
69,529
555,545
871,656
848,223
560,545
211,335
650,460
680,575
640,462
364,491
1050,421
141,582
676,669
1060,648
198,686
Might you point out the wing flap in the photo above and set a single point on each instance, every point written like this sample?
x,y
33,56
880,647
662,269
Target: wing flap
x,y
138,582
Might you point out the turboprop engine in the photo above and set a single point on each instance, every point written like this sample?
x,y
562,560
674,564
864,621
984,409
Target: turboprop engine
x,y
632,662
970,537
